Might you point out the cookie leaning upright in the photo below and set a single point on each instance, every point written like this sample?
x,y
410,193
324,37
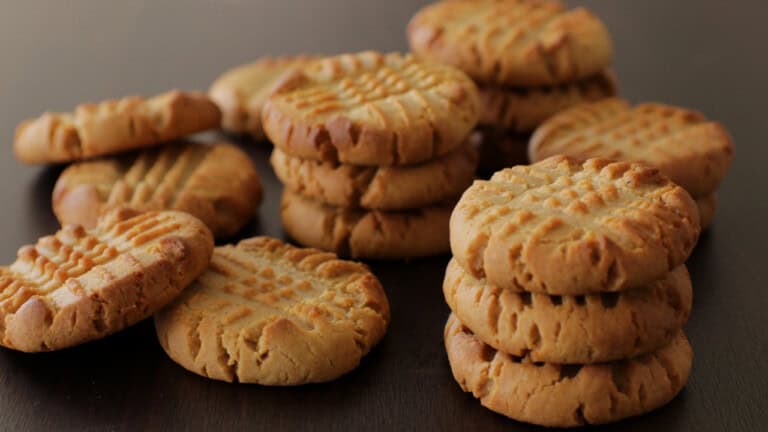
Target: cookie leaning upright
x,y
269,313
241,92
79,285
567,227
216,183
113,126
693,151
371,109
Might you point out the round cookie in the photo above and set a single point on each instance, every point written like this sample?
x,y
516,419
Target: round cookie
x,y
707,207
216,183
566,227
371,109
113,126
523,109
571,329
498,149
554,395
269,313
241,92
512,42
378,188
691,150
80,285
366,234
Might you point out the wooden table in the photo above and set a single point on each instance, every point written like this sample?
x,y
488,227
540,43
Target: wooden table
x,y
705,54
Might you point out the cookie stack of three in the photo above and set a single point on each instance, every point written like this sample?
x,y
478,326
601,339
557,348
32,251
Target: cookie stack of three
x,y
530,60
569,291
372,150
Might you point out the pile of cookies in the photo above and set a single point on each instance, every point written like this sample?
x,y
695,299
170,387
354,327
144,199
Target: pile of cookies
x,y
372,150
530,59
215,183
138,241
569,291
694,152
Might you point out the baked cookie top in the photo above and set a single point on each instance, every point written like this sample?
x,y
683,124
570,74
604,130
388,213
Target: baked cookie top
x,y
379,188
553,395
242,91
79,285
366,234
216,183
269,313
113,126
566,227
693,151
371,109
571,329
521,110
512,42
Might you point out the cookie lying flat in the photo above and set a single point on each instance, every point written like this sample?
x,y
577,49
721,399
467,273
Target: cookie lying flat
x,y
241,92
366,234
693,151
371,109
523,109
565,396
268,313
565,227
113,126
707,207
79,285
512,42
567,329
381,188
498,149
217,183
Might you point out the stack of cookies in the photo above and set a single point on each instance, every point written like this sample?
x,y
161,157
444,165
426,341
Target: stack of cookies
x,y
694,152
569,291
372,150
138,240
530,59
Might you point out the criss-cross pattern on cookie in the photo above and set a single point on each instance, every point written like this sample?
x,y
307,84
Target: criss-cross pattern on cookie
x,y
56,260
247,287
387,89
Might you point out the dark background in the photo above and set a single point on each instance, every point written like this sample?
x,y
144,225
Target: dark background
x,y
705,54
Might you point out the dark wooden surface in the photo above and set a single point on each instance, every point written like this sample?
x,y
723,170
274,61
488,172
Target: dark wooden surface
x,y
706,54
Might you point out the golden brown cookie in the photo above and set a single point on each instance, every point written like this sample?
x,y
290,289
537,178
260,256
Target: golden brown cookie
x,y
571,329
707,207
269,313
241,92
522,109
216,183
565,227
371,109
366,234
498,149
555,395
693,151
113,126
79,285
378,188
519,43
